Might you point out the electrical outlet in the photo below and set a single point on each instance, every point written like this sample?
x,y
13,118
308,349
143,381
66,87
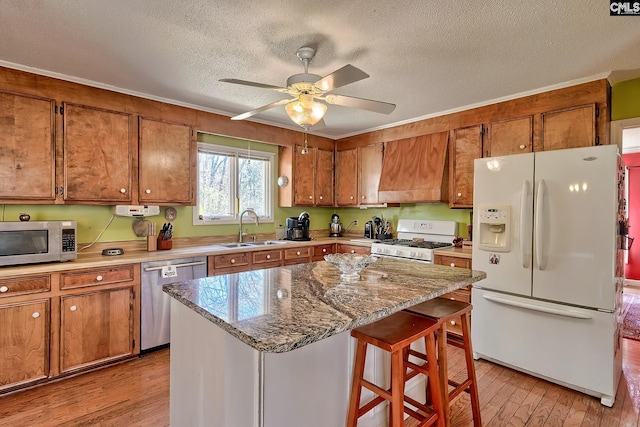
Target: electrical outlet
x,y
278,223
355,222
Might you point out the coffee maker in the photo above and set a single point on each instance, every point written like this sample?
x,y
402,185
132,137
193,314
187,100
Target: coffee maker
x,y
298,228
335,227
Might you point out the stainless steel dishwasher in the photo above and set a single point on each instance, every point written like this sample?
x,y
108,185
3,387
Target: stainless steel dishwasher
x,y
155,312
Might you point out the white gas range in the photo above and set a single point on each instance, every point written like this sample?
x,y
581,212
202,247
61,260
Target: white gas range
x,y
417,239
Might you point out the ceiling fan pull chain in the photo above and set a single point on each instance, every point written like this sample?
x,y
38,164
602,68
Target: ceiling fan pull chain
x,y
305,148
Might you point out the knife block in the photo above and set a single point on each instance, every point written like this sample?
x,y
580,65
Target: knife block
x,y
163,244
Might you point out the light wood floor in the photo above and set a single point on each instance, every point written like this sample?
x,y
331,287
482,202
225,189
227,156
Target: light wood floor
x,y
136,393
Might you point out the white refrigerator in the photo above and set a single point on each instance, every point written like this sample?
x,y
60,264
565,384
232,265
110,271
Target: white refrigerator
x,y
546,233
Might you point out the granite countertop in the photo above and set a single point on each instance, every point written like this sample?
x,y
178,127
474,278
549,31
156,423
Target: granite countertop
x,y
280,309
457,252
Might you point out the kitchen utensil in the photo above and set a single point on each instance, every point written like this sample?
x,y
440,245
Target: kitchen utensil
x,y
335,227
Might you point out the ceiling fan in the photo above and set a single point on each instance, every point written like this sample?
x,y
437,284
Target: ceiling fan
x,y
307,89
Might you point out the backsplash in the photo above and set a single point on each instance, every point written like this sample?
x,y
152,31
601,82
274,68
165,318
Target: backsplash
x,y
92,219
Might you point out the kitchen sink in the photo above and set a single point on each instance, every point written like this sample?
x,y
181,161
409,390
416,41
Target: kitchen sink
x,y
271,242
236,245
252,244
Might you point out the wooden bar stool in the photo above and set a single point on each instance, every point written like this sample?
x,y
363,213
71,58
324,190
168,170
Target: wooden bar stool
x,y
443,311
394,334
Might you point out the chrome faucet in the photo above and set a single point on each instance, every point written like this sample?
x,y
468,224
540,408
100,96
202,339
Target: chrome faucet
x,y
251,212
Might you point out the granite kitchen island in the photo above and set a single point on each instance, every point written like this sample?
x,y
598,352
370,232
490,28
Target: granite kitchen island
x,y
271,348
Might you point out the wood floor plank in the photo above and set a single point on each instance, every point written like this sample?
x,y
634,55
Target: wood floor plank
x,y
136,393
560,410
577,412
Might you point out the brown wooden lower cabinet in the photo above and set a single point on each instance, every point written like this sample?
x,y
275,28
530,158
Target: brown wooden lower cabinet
x,y
297,255
462,294
320,251
24,342
95,327
352,249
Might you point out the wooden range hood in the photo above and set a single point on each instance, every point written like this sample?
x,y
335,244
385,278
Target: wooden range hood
x,y
415,170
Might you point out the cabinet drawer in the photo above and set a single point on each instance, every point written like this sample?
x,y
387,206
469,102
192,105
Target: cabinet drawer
x,y
24,285
322,250
458,296
230,260
353,249
452,261
266,256
297,253
454,326
94,277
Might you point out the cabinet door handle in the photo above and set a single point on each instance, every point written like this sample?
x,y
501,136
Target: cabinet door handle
x,y
73,308
459,194
4,289
324,250
268,256
99,278
298,253
148,191
351,198
364,197
353,251
453,264
123,190
522,146
321,197
453,323
233,261
310,197
35,315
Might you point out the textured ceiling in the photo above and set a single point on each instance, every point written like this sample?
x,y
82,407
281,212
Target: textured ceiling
x,y
425,56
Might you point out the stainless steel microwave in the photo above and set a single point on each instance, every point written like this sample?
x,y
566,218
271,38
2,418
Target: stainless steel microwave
x,y
37,241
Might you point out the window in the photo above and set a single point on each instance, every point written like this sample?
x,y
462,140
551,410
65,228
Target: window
x,y
231,180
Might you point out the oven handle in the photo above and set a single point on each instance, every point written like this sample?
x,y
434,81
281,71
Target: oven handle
x,y
186,264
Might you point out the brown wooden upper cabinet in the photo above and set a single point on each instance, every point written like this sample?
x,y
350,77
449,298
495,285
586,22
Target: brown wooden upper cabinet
x,y
358,175
27,148
167,163
466,146
97,155
569,128
310,176
510,136
324,178
313,172
347,177
369,171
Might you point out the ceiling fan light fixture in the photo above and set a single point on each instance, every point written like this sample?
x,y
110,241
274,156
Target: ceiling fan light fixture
x,y
305,111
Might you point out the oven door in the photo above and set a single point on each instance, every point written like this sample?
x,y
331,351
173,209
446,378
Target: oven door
x,y
399,252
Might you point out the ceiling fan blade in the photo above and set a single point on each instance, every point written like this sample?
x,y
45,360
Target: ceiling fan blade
x,y
261,109
363,104
254,84
342,77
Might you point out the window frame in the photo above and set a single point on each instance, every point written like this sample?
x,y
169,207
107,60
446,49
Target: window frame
x,y
237,153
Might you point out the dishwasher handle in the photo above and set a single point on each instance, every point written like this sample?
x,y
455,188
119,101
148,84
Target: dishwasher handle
x,y
186,264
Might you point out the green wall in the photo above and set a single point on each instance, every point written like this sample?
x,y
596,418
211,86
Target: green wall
x,y
625,103
625,100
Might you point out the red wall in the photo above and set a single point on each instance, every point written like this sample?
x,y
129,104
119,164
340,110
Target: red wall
x,y
632,161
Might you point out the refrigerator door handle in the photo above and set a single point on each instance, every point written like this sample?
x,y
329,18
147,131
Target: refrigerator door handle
x,y
539,221
525,220
527,306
